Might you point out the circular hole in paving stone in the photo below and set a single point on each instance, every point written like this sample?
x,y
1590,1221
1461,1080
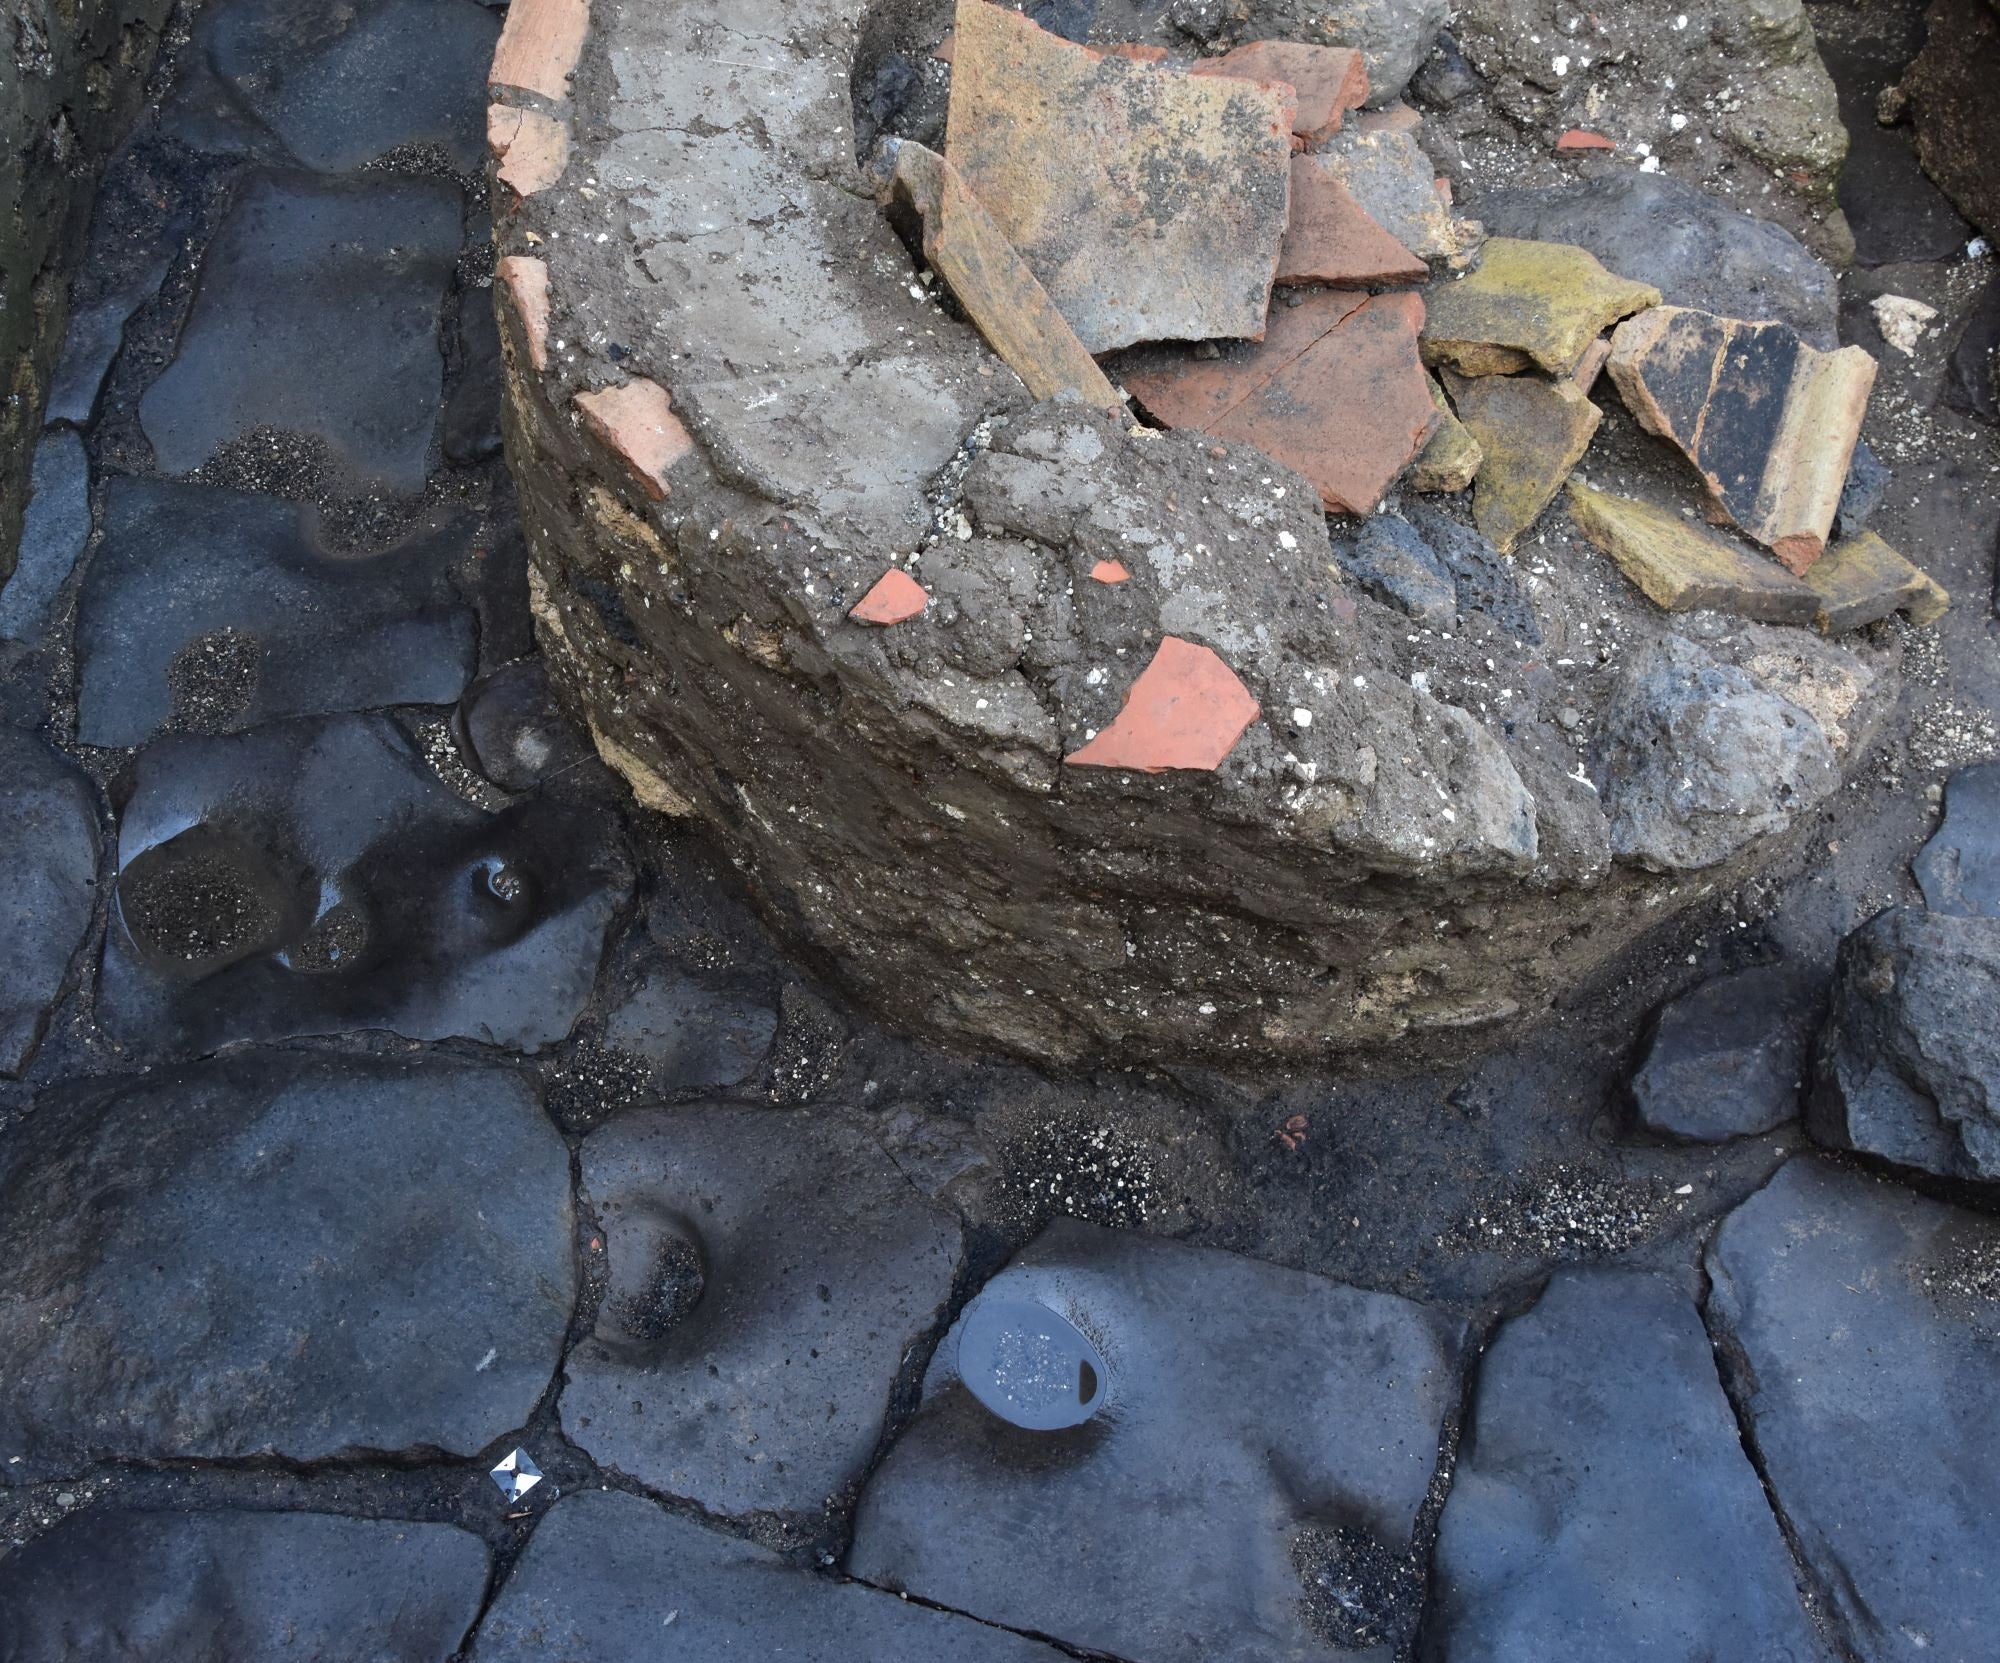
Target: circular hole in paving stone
x,y
200,902
505,885
1032,1367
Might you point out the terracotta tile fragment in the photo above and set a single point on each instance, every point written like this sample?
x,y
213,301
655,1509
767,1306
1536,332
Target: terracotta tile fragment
x,y
1330,80
1137,53
531,147
1111,571
1186,710
1397,187
1533,432
896,598
539,45
992,282
525,282
1591,365
1862,580
1681,567
1187,391
1529,304
1450,460
1391,118
637,421
1150,203
1331,239
1768,422
1579,138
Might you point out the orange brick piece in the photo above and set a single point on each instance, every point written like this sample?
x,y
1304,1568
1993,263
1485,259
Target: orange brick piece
x,y
896,598
1330,80
539,45
1111,571
531,147
1578,138
525,282
1186,710
1332,239
637,421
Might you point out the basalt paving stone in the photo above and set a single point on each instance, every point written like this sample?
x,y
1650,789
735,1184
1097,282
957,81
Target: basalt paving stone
x,y
1602,1506
1531,433
313,877
316,313
1861,1328
1975,355
519,735
611,1578
118,1586
1732,1058
768,1272
1959,869
472,413
187,575
358,1256
1282,1428
48,885
96,331
1150,203
692,1037
53,532
1530,305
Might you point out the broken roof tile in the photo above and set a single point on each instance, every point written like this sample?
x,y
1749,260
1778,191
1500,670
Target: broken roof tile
x,y
531,148
1530,304
1183,390
540,43
1533,432
1768,422
1187,710
1330,80
1331,239
1579,138
637,421
1682,567
525,281
1861,580
1591,365
1150,203
896,598
991,280
1111,571
1450,459
1397,187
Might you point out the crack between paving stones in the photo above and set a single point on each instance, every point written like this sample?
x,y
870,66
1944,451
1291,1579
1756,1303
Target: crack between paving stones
x,y
1068,1648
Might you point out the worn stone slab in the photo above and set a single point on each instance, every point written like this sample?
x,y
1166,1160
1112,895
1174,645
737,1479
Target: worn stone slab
x,y
1732,1058
1150,203
1768,422
1602,1506
1529,305
1450,458
690,1036
767,1274
539,46
1862,580
1007,304
1331,239
612,1578
637,422
54,529
1186,710
529,147
471,426
1396,184
1531,433
186,570
1869,1335
350,1277
1286,1425
115,1583
1959,869
1683,568
1329,80
48,885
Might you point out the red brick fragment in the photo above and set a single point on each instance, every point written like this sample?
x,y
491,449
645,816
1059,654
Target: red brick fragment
x,y
896,598
1110,571
1187,710
1332,239
539,45
525,281
1578,138
1330,80
637,421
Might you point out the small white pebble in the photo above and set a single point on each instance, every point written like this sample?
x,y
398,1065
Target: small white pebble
x,y
1301,717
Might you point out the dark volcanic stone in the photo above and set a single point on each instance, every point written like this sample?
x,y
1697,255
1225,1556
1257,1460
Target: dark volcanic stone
x,y
310,632
1279,1430
1909,1063
1695,249
48,885
313,877
1861,1326
611,1578
1952,106
472,413
53,532
1484,579
1959,869
692,1037
1602,1507
1974,357
1391,561
279,1254
1730,1059
96,331
1868,477
769,1272
518,734
130,1587
317,313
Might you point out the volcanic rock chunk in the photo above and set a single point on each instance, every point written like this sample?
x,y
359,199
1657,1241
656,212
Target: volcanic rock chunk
x,y
1683,568
1484,578
1387,172
1863,580
612,1578
1868,477
1768,422
1869,1335
1186,710
1287,1425
1450,460
316,314
1529,305
53,532
1909,1063
371,1256
1329,80
1331,239
1730,1059
1959,869
1531,433
1603,1506
1696,759
313,877
768,1274
518,734
1950,88
48,885
1149,202
111,1584
1391,560
308,631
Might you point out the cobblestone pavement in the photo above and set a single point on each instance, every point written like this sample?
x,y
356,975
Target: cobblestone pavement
x,y
390,1110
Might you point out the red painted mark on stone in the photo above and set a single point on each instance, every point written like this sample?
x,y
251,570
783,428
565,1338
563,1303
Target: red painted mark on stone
x,y
896,598
1578,138
1110,571
1186,710
638,422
